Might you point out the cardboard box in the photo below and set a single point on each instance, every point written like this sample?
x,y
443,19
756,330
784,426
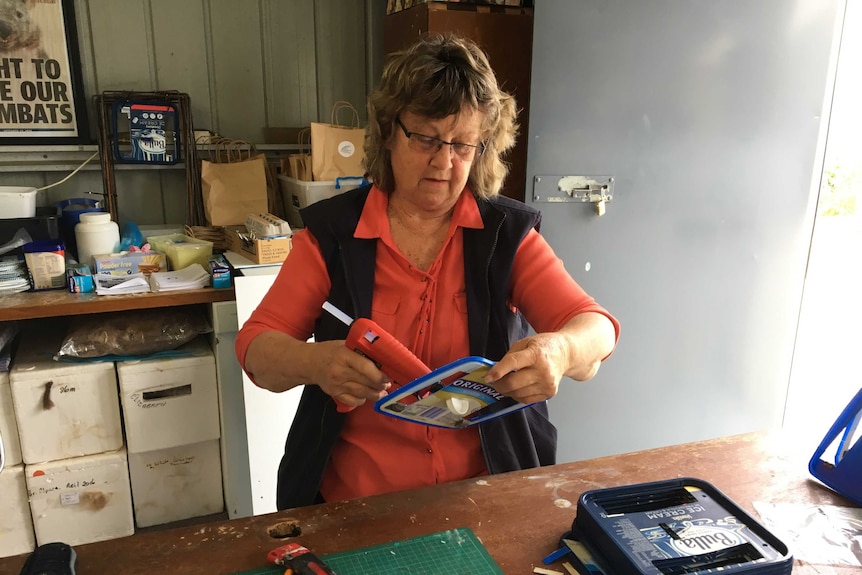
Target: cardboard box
x,y
396,5
260,251
79,279
127,263
220,271
46,264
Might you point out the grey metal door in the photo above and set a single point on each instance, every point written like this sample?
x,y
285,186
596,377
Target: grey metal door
x,y
711,118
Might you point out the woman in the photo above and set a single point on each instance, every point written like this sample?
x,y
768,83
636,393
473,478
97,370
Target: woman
x,y
435,256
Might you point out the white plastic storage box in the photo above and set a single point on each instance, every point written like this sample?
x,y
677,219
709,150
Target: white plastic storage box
x,y
170,401
8,425
176,483
81,500
16,523
63,409
17,202
297,194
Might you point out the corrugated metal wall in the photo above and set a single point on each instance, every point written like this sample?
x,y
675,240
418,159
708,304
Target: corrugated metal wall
x,y
246,65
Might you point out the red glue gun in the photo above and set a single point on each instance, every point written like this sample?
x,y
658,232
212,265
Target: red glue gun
x,y
381,347
297,560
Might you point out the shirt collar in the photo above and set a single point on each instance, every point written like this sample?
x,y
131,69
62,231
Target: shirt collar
x,y
373,223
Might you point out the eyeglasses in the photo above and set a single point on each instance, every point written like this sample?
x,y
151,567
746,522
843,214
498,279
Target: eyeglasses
x,y
431,145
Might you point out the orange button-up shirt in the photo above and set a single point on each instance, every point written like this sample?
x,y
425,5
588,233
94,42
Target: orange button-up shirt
x,y
427,312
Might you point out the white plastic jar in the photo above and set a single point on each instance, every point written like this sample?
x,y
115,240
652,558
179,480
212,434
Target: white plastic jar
x,y
96,234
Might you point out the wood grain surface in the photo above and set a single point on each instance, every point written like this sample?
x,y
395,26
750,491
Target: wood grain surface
x,y
518,516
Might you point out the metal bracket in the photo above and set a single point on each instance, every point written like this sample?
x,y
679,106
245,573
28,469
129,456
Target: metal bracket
x,y
595,189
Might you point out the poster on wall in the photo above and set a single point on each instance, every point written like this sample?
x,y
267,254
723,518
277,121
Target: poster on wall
x,y
40,88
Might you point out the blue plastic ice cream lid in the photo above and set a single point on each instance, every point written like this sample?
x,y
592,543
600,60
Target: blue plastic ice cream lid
x,y
44,245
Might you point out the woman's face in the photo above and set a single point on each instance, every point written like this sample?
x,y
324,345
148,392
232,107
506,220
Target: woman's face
x,y
429,177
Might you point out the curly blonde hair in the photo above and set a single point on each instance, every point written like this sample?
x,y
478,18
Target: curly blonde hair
x,y
435,78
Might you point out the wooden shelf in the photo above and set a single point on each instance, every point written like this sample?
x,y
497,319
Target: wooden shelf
x,y
54,303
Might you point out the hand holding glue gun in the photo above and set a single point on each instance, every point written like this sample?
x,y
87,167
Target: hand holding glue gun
x,y
297,560
370,340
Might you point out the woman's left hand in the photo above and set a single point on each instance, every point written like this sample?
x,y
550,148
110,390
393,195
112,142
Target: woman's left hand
x,y
532,369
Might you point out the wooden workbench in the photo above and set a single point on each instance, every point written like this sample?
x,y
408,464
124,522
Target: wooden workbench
x,y
57,303
518,516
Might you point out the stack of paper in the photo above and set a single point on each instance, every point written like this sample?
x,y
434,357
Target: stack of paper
x,y
106,284
191,277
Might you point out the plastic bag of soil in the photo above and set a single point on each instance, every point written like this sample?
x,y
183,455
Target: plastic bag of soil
x,y
132,333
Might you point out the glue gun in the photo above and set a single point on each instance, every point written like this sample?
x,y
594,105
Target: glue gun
x,y
297,560
388,354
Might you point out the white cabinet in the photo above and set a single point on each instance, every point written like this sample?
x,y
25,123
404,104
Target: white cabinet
x,y
234,443
254,421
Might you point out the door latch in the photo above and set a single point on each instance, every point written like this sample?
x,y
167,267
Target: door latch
x,y
594,189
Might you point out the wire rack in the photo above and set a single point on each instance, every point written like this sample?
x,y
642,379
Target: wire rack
x,y
104,104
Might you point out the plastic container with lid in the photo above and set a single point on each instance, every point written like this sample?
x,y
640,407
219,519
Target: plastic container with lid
x,y
182,250
71,210
44,225
96,234
17,202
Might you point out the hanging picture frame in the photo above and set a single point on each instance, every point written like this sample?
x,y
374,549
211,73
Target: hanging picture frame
x,y
41,94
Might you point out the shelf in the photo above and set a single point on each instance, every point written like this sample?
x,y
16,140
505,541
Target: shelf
x,y
54,303
67,158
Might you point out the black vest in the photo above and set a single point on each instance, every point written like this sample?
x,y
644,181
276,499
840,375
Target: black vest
x,y
520,440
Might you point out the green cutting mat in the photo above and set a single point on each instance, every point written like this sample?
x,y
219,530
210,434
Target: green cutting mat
x,y
453,552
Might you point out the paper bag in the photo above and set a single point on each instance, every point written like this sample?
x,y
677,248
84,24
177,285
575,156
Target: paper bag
x,y
298,165
232,190
337,151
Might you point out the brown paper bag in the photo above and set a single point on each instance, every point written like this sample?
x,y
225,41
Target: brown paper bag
x,y
299,164
233,184
337,150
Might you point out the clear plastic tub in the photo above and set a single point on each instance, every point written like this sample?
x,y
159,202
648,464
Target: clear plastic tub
x,y
182,250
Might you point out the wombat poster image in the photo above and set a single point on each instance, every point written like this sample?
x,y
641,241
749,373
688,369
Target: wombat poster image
x,y
36,97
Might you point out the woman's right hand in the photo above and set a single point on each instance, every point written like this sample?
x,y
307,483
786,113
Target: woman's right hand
x,y
348,377
278,362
